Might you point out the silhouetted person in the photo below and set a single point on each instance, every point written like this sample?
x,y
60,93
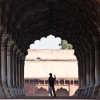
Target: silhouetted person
x,y
51,83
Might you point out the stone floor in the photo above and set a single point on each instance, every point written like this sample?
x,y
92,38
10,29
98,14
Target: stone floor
x,y
48,98
55,98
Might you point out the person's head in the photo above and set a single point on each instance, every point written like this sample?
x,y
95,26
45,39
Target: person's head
x,y
50,74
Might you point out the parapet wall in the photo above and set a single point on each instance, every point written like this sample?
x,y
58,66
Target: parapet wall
x,y
51,54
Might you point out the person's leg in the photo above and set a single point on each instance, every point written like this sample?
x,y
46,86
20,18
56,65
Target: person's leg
x,y
54,91
51,93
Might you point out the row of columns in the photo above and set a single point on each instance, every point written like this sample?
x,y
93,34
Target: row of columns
x,y
89,71
12,68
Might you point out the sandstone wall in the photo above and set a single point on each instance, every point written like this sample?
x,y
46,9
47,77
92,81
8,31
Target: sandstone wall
x,y
50,54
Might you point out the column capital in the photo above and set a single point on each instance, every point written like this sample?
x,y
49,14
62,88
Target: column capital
x,y
18,51
23,57
15,47
87,51
96,39
4,35
10,41
84,55
4,38
96,42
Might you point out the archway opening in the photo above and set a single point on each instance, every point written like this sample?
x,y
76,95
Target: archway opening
x,y
50,55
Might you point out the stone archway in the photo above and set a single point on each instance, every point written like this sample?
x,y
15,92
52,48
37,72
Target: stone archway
x,y
24,21
62,92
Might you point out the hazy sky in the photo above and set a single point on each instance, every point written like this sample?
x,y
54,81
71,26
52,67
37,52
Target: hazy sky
x,y
47,43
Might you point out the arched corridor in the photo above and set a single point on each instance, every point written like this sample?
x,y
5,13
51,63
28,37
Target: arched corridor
x,y
24,21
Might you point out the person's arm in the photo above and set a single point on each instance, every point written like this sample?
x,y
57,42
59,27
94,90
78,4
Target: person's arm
x,y
54,77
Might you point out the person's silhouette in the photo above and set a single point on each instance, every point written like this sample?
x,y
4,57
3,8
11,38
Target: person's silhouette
x,y
51,83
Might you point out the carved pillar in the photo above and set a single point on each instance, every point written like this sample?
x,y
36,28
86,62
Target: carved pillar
x,y
19,70
17,73
10,68
87,72
87,69
84,70
79,72
83,73
78,92
4,64
97,68
97,63
92,71
14,69
22,74
2,94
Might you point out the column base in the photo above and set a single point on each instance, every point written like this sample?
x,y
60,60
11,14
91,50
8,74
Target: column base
x,y
12,92
79,92
82,93
23,92
90,92
86,92
6,91
19,93
98,96
76,93
16,92
2,94
95,91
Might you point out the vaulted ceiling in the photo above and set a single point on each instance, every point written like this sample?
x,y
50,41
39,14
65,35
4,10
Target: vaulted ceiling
x,y
77,21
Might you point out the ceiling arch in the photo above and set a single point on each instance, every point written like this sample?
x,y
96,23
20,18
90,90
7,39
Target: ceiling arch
x,y
73,20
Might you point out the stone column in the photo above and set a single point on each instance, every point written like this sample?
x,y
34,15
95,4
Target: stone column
x,y
97,68
19,70
92,71
87,69
4,64
78,92
2,94
17,73
83,73
14,69
22,75
84,70
9,68
87,73
80,72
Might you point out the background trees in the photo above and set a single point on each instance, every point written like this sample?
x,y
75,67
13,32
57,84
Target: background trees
x,y
64,45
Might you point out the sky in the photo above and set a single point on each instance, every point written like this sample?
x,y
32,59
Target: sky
x,y
50,42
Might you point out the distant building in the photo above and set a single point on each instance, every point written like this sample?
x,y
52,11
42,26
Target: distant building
x,y
38,65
